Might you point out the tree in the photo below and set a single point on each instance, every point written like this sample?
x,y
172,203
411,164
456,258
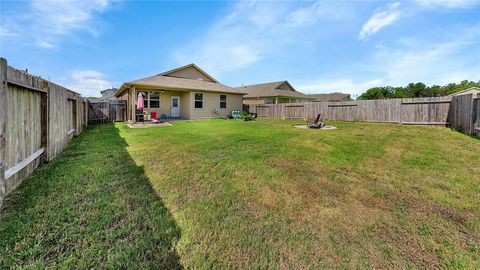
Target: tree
x,y
418,89
378,93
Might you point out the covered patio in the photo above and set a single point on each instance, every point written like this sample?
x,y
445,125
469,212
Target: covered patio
x,y
183,93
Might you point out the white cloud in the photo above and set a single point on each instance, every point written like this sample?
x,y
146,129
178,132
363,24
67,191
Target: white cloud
x,y
47,21
338,85
307,16
88,82
448,3
381,18
431,61
251,31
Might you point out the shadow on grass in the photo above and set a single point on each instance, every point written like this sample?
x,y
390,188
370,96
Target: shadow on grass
x,y
92,207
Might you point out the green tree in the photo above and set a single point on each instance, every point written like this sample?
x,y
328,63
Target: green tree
x,y
378,93
419,89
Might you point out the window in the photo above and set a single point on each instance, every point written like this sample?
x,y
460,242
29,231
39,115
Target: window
x,y
223,101
154,99
269,101
198,100
151,99
145,99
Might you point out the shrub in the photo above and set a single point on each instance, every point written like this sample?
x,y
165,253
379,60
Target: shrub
x,y
246,116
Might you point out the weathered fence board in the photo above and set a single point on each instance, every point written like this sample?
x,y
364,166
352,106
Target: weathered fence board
x,y
107,110
476,122
294,111
36,118
3,126
432,110
464,113
118,110
421,111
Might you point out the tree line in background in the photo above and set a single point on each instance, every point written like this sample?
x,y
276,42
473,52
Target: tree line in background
x,y
413,90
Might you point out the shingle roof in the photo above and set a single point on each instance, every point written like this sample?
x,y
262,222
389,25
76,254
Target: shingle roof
x,y
181,83
330,97
162,81
270,90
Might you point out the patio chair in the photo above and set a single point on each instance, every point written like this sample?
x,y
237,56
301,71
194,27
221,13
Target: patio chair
x,y
139,116
317,123
235,114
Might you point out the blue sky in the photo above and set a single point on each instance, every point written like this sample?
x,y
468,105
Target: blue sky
x,y
319,46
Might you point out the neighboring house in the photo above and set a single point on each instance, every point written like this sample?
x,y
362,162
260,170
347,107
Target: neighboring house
x,y
330,97
108,93
272,93
472,90
186,92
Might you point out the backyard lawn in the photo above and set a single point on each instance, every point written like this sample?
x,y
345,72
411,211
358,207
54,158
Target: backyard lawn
x,y
226,194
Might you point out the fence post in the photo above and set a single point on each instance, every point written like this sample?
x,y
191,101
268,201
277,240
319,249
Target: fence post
x,y
472,114
3,125
44,121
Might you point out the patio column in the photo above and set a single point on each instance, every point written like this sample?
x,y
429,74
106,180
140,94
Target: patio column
x,y
134,105
276,100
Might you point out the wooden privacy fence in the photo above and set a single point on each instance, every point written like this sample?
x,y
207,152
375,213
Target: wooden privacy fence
x,y
429,111
461,112
466,114
103,111
37,119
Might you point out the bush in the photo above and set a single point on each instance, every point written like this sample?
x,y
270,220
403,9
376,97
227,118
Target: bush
x,y
246,116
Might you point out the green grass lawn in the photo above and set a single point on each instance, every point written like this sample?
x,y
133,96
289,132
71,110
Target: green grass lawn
x,y
225,194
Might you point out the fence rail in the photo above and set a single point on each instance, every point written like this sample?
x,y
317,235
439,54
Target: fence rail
x,y
461,112
37,119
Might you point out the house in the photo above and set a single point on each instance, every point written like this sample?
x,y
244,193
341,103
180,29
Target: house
x,y
336,96
272,93
108,93
186,92
472,90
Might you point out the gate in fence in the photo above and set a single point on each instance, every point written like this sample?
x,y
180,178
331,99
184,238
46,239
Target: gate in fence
x,y
107,111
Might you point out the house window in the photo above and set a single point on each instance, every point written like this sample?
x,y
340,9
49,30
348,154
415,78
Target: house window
x,y
223,101
145,99
154,99
151,99
198,100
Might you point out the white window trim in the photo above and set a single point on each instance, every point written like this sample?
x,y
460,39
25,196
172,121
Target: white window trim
x,y
220,101
194,100
148,99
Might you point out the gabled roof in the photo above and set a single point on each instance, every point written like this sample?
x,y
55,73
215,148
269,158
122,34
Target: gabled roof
x,y
170,80
336,96
192,65
271,89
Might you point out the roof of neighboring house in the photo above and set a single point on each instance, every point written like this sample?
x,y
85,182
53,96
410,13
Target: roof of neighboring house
x,y
330,96
171,80
109,89
272,89
471,90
